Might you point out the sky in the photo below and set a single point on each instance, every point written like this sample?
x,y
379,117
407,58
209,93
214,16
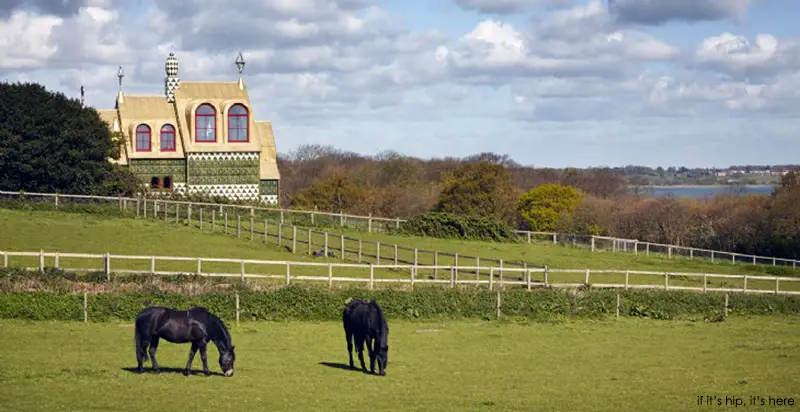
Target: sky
x,y
551,83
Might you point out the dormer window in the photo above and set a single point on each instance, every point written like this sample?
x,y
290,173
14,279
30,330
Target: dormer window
x,y
142,138
206,124
167,138
238,124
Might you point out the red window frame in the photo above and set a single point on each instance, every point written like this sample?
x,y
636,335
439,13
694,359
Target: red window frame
x,y
232,116
144,130
198,115
167,131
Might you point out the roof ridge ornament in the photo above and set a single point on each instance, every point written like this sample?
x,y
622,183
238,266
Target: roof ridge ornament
x,y
240,63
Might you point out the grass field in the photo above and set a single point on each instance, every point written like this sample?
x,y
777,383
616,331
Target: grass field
x,y
85,233
626,365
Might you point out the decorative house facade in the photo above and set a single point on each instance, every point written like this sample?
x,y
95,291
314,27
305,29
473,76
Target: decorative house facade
x,y
197,138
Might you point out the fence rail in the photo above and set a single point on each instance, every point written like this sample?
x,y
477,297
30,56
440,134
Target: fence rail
x,y
381,224
395,273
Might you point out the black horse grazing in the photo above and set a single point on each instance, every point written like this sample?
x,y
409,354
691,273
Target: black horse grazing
x,y
365,321
196,325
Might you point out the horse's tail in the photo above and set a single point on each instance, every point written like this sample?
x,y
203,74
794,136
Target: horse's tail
x,y
140,351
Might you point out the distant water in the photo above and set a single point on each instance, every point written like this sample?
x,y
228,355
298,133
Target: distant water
x,y
706,191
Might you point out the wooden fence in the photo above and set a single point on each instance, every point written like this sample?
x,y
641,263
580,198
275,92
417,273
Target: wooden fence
x,y
381,224
491,277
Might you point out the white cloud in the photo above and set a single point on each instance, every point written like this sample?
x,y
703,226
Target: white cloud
x,y
25,40
741,58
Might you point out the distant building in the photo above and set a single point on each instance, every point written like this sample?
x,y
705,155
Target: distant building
x,y
197,138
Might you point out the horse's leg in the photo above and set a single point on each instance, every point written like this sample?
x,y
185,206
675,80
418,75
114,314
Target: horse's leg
x,y
372,349
141,353
360,349
192,351
202,345
153,348
350,348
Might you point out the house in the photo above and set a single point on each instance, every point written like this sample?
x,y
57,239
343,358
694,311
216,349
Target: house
x,y
196,138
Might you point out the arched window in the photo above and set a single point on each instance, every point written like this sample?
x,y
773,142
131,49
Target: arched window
x,y
238,124
167,182
155,183
167,138
205,123
142,138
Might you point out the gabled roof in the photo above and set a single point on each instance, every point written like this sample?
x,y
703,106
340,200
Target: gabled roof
x,y
210,91
146,108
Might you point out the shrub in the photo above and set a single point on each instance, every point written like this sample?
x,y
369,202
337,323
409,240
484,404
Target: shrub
x,y
451,226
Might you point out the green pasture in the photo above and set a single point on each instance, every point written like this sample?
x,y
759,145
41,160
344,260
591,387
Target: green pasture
x,y
33,230
625,365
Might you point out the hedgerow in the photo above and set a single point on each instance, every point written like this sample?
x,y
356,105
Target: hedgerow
x,y
316,303
453,226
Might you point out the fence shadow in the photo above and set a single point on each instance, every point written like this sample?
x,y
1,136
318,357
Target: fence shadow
x,y
169,370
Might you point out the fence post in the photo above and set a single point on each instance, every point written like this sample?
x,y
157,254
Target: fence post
x,y
144,209
199,266
280,234
435,265
201,218
252,229
226,223
528,276
491,277
237,309
371,276
56,263
636,248
341,246
555,238
41,261
546,272
359,250
777,284
242,272
266,235
288,271
413,275
452,277
712,256
137,207
498,304
326,244
586,280
395,255
745,284
341,219
56,200
705,282
397,222
726,304
669,252
189,214
691,253
85,307
666,280
294,239
477,269
592,243
455,263
627,275
107,266
238,225
330,275
369,223
281,217
377,253
416,260
213,219
152,265
529,237
733,258
308,232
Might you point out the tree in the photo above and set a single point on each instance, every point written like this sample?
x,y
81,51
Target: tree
x,y
335,194
478,189
49,143
542,206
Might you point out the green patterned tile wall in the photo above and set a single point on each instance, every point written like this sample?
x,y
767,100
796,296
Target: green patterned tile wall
x,y
222,168
268,187
144,169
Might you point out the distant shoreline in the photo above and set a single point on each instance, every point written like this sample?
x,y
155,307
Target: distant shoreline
x,y
717,186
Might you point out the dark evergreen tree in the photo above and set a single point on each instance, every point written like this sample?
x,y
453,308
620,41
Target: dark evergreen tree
x,y
50,143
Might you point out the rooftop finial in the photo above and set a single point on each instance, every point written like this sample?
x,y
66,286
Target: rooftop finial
x,y
240,62
81,95
120,75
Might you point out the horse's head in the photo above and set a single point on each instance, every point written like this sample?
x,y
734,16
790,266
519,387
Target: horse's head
x,y
383,359
226,359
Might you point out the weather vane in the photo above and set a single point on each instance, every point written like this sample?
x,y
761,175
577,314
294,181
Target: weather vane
x,y
120,75
240,62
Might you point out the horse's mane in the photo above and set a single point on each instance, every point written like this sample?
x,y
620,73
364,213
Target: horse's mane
x,y
220,332
383,327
